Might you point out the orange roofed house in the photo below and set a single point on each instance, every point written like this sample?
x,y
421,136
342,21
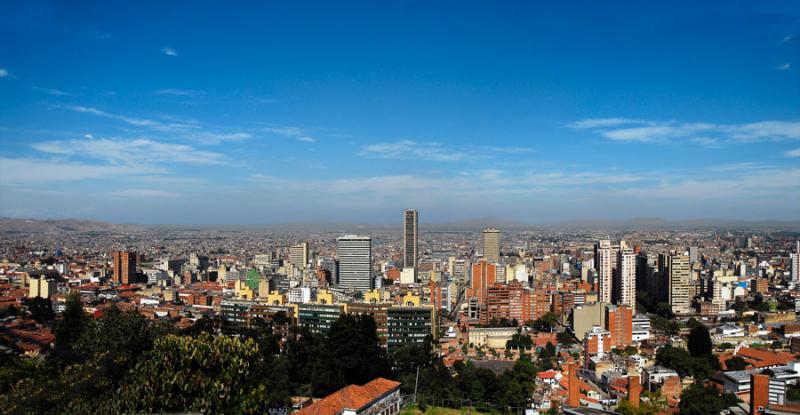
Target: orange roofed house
x,y
378,397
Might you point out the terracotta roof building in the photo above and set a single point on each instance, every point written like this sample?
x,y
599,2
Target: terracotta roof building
x,y
379,397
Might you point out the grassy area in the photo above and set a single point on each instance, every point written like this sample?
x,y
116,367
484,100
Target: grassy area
x,y
438,410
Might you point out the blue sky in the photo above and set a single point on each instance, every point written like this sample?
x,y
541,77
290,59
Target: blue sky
x,y
265,112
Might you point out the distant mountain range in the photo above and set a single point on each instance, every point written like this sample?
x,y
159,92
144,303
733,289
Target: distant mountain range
x,y
9,225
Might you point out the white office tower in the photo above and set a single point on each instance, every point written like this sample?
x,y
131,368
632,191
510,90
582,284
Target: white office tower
x,y
491,245
795,257
355,262
605,258
298,255
626,261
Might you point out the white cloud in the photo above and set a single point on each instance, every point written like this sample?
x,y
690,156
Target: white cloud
x,y
784,67
169,51
31,170
297,133
702,133
4,73
52,91
184,129
154,193
191,93
787,38
140,151
793,153
411,150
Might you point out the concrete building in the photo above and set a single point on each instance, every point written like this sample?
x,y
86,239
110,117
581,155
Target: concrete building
x,y
678,270
298,255
407,325
491,336
484,275
619,324
491,245
318,318
585,316
124,267
42,287
355,262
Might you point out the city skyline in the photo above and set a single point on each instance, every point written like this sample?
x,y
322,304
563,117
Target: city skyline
x,y
277,113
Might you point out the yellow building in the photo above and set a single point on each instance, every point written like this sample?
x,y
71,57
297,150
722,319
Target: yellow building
x,y
324,297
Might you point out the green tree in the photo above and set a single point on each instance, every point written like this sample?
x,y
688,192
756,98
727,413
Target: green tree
x,y
41,309
72,324
736,363
209,374
700,341
700,400
546,322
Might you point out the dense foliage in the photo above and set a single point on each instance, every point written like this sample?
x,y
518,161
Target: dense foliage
x,y
124,363
703,400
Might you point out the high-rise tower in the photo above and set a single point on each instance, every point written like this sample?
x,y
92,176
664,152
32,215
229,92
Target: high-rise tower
x,y
410,238
491,245
124,267
605,261
298,255
795,264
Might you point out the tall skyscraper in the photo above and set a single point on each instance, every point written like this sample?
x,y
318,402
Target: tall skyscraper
x,y
605,260
491,245
298,255
410,238
795,260
626,272
124,267
678,271
355,262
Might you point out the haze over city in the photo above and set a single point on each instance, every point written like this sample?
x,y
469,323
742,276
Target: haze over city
x,y
257,113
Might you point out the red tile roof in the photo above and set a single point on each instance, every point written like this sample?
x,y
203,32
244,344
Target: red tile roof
x,y
350,397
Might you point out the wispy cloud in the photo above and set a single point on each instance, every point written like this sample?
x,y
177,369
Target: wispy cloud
x,y
140,151
51,91
788,38
297,133
169,51
409,150
154,193
190,130
191,93
792,153
4,73
701,133
784,67
42,170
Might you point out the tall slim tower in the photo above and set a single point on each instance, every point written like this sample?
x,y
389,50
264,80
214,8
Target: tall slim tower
x,y
124,266
491,245
410,238
298,255
795,260
355,262
605,260
626,269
